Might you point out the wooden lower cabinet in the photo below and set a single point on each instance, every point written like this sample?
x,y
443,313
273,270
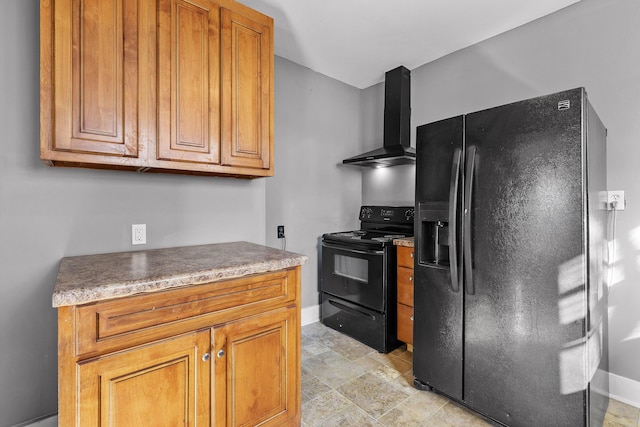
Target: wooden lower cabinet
x,y
405,295
219,354
256,371
161,384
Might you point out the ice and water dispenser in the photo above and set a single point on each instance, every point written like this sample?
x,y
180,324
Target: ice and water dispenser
x,y
433,231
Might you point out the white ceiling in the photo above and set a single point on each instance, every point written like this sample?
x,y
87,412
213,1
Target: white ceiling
x,y
357,41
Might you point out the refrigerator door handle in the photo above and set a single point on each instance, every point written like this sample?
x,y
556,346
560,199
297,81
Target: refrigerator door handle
x,y
453,217
468,193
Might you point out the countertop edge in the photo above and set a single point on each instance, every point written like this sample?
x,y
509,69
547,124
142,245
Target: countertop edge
x,y
405,241
78,294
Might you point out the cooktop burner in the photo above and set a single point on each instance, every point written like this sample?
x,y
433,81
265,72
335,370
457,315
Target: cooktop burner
x,y
380,225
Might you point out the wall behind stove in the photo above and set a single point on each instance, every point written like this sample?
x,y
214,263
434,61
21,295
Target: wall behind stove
x,y
317,124
392,186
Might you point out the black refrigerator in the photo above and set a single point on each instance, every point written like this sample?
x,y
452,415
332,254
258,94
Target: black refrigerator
x,y
510,234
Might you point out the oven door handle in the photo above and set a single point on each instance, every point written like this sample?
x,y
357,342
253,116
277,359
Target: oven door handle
x,y
356,251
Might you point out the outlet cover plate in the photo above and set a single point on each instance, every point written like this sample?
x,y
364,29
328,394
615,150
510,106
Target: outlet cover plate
x,y
616,196
138,234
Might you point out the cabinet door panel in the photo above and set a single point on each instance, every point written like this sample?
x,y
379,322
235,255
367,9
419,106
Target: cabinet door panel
x,y
165,384
246,103
405,256
189,80
405,323
405,286
257,379
96,91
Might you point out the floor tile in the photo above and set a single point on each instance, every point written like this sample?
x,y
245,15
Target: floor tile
x,y
345,383
332,369
352,416
453,415
345,346
620,414
374,395
312,387
315,411
377,368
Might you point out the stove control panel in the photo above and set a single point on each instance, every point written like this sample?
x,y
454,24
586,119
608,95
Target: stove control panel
x,y
392,214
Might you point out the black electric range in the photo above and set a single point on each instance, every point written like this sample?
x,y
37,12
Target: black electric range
x,y
359,276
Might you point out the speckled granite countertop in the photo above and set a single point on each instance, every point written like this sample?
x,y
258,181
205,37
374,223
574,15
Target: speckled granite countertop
x,y
405,241
83,279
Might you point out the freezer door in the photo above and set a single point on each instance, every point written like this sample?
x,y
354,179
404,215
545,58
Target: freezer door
x,y
524,325
437,334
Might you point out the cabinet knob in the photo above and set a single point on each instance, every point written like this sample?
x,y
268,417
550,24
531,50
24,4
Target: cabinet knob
x,y
411,255
411,278
206,357
220,353
411,318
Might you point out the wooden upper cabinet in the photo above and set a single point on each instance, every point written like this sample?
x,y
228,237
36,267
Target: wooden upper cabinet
x,y
247,76
91,98
161,85
189,81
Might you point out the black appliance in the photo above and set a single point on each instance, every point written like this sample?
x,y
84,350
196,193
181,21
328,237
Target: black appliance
x,y
396,149
510,299
359,276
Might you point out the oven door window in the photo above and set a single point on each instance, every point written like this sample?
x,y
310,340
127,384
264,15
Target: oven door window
x,y
355,275
351,268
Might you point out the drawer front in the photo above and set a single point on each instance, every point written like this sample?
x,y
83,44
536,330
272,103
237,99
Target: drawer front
x,y
405,286
120,323
405,256
405,323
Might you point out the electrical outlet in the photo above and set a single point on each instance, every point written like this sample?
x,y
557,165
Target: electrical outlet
x,y
617,198
281,232
138,234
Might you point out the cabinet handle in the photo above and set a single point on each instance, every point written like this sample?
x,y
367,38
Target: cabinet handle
x,y
411,255
220,353
205,357
411,318
411,278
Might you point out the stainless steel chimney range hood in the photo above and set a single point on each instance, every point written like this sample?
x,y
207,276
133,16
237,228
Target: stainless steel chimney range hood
x,y
396,149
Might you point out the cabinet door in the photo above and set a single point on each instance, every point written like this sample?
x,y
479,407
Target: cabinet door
x,y
405,323
90,69
162,384
247,90
257,371
189,81
405,286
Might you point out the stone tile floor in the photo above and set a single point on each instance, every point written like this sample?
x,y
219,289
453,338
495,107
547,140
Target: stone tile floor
x,y
345,383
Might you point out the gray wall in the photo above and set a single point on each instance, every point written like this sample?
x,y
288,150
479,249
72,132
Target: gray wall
x,y
48,213
383,186
317,124
594,44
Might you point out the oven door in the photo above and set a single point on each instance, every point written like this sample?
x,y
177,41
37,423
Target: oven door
x,y
355,274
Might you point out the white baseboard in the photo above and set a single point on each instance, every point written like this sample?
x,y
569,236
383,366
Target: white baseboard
x,y
310,314
624,389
